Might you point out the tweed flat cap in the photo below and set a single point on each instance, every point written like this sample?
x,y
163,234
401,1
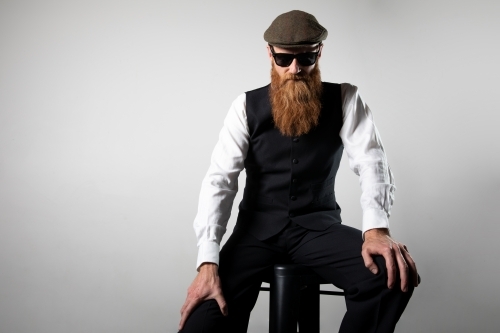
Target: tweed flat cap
x,y
295,29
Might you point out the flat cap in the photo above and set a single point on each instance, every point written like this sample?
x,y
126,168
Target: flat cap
x,y
295,29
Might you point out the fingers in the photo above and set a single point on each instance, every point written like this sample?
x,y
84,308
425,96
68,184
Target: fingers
x,y
412,266
403,267
186,310
222,304
397,259
369,263
204,287
192,302
193,299
184,305
390,264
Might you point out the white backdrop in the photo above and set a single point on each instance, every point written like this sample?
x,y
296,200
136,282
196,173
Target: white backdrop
x,y
109,111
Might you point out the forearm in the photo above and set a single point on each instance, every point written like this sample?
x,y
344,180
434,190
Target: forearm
x,y
367,159
220,185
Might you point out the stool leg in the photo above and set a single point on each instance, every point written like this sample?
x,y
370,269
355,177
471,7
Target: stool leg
x,y
309,309
283,299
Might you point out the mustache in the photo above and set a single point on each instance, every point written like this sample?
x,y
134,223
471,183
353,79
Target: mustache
x,y
294,77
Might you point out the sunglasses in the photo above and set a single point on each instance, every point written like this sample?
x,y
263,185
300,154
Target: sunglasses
x,y
286,59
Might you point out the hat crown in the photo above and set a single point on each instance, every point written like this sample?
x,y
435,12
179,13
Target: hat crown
x,y
294,29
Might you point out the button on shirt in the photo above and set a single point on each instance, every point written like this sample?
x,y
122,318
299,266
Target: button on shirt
x,y
361,142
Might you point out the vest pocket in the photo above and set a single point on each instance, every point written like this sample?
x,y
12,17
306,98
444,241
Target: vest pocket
x,y
262,203
319,186
323,198
323,195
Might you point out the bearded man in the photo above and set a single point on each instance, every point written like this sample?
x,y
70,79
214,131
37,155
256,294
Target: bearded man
x,y
289,137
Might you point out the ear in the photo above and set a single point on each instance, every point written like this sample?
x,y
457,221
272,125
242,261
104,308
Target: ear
x,y
269,54
320,50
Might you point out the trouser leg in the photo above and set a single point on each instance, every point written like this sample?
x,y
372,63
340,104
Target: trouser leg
x,y
335,254
207,317
244,261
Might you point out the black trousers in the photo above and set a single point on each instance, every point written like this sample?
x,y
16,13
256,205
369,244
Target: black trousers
x,y
334,254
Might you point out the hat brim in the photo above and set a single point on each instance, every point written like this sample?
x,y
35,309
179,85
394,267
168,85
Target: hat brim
x,y
294,46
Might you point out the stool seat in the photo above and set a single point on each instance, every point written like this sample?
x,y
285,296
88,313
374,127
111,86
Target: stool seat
x,y
294,298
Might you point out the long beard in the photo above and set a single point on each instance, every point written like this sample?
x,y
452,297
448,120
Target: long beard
x,y
296,101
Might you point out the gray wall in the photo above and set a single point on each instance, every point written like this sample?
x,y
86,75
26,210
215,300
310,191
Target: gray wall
x,y
109,111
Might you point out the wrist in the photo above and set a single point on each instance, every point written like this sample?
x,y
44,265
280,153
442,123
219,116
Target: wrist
x,y
208,267
376,232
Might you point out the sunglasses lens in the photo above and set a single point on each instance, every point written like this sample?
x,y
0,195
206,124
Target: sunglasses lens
x,y
307,59
283,59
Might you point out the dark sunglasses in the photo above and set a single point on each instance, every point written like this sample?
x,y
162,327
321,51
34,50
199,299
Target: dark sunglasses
x,y
286,59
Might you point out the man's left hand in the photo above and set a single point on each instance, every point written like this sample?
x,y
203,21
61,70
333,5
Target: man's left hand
x,y
379,242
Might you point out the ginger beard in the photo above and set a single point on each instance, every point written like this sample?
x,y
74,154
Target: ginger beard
x,y
295,101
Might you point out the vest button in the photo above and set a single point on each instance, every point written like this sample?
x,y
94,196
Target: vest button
x,y
295,139
293,198
294,180
292,215
295,161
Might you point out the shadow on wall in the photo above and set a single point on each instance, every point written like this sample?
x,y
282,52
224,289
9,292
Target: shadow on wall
x,y
456,252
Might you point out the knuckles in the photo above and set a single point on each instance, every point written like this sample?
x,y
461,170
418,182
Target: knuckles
x,y
194,294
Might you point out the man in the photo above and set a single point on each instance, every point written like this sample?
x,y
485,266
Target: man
x,y
289,137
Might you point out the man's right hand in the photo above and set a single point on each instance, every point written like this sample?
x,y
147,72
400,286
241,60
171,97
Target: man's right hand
x,y
205,286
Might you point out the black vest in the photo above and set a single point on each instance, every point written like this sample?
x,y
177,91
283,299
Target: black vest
x,y
291,178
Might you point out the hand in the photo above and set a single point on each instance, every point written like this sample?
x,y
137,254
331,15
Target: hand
x,y
205,286
379,242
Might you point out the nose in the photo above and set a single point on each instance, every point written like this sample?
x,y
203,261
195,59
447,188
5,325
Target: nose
x,y
294,67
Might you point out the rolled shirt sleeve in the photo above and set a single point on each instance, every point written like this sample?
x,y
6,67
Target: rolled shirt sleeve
x,y
220,184
367,159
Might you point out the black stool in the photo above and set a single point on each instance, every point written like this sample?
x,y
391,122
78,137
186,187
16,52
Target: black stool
x,y
294,298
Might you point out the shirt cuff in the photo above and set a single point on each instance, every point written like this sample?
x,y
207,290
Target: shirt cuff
x,y
208,252
374,219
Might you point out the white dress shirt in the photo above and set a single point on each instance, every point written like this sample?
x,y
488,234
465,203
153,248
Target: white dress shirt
x,y
361,142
